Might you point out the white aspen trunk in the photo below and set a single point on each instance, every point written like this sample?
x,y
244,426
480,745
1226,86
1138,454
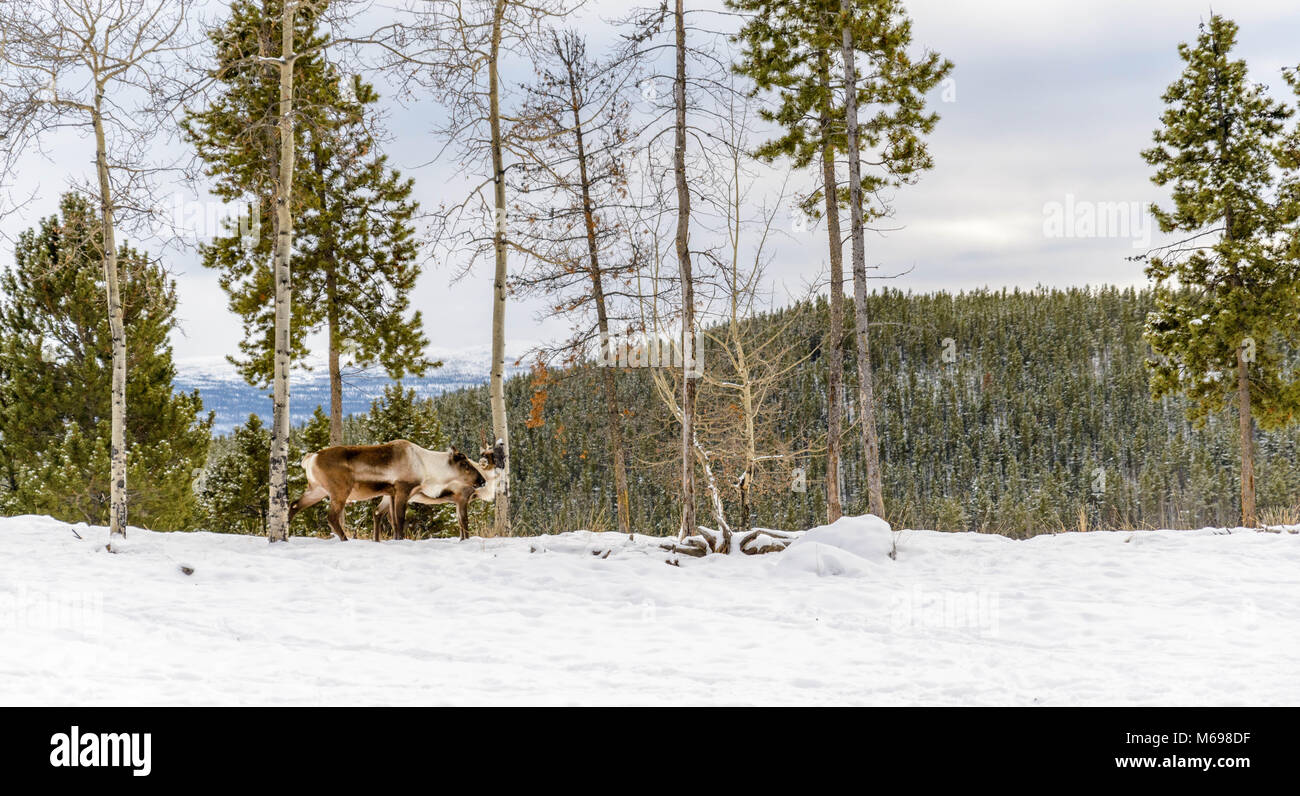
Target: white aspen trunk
x,y
497,387
278,511
117,330
866,392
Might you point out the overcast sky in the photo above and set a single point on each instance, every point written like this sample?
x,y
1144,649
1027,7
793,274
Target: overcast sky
x,y
1048,108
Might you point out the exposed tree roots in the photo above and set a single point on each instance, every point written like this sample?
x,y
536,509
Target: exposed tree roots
x,y
755,542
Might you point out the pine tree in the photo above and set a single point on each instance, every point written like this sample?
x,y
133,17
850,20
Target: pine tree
x,y
791,49
315,434
355,254
890,90
232,492
1052,380
1222,338
56,361
777,38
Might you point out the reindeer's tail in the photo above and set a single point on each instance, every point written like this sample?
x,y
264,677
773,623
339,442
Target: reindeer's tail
x,y
306,464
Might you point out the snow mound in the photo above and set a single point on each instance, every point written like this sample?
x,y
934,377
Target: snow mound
x,y
822,559
850,546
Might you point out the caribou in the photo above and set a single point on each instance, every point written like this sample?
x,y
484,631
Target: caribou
x,y
398,473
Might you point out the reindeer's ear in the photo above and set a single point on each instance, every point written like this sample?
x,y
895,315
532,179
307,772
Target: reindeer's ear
x,y
454,452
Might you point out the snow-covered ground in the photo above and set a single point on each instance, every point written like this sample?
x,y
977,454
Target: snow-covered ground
x,y
1163,617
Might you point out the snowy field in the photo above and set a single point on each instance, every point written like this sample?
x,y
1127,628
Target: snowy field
x,y
1113,618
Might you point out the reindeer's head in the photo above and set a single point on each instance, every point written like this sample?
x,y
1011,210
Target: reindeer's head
x,y
491,464
469,471
494,457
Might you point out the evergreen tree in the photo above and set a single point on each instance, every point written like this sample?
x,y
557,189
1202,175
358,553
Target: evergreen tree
x,y
232,492
315,433
56,360
890,91
1223,340
790,49
355,255
1047,388
776,40
310,437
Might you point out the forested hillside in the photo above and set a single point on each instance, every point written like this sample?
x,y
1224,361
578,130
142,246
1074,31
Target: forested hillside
x,y
1041,421
622,207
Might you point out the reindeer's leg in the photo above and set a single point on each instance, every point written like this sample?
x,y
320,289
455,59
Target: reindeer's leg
x,y
381,509
310,498
338,506
401,494
390,506
462,515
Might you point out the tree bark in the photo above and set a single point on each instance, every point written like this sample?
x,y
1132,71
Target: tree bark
x,y
613,416
689,524
722,542
497,387
117,331
740,360
1245,421
744,504
1247,430
278,511
333,334
834,337
336,374
866,392
751,436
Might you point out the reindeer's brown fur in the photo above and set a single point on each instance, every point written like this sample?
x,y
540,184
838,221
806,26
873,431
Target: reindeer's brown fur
x,y
460,492
397,472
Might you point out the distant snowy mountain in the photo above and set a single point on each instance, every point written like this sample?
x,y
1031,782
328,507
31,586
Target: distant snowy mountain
x,y
226,393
